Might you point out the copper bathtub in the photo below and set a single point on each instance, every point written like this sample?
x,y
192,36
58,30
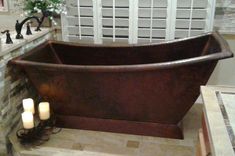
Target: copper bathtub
x,y
135,89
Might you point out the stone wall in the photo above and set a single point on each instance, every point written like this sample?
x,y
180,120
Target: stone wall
x,y
13,88
225,16
15,12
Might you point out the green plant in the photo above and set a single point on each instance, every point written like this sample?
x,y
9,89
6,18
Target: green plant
x,y
47,7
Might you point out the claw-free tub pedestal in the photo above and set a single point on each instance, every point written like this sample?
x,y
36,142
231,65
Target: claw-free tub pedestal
x,y
136,89
121,126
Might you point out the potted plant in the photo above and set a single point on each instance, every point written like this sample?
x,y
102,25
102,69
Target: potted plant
x,y
47,8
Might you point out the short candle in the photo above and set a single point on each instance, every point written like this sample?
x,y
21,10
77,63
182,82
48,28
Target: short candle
x,y
44,110
28,105
27,119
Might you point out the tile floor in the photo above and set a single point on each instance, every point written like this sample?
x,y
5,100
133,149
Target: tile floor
x,y
91,143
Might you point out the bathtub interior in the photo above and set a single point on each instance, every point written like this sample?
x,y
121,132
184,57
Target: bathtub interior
x,y
58,53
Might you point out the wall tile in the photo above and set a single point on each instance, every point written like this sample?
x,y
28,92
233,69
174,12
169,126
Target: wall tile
x,y
13,88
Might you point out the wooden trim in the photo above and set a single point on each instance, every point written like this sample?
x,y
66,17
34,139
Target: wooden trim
x,y
201,149
205,134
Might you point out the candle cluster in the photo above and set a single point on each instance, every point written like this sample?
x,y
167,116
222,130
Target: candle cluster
x,y
27,115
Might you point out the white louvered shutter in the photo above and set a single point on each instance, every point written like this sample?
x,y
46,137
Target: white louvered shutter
x,y
191,18
80,21
152,20
115,20
136,21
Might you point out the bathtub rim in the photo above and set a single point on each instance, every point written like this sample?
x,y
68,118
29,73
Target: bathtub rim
x,y
224,53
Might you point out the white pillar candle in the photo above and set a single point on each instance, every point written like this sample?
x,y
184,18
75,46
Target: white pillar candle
x,y
28,105
44,110
27,119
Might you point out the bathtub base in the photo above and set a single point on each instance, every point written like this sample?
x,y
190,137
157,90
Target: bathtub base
x,y
121,126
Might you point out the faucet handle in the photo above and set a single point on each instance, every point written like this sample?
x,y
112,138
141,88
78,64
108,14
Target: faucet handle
x,y
8,37
18,28
5,31
28,31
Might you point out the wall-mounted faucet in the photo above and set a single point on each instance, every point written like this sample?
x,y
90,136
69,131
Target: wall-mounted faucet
x,y
8,37
18,26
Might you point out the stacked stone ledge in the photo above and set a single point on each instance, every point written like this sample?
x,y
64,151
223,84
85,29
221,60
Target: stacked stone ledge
x,y
13,88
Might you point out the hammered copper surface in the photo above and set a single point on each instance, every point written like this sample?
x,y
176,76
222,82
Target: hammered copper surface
x,y
138,89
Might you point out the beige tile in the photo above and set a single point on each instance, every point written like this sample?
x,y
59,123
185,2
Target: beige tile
x,y
58,143
151,149
104,138
111,150
94,143
104,143
157,140
77,146
132,144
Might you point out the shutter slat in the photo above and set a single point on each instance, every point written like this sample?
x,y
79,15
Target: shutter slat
x,y
82,3
183,33
118,3
157,13
73,21
85,39
118,32
196,3
155,33
120,12
185,13
118,22
196,24
84,31
156,3
156,23
110,40
72,11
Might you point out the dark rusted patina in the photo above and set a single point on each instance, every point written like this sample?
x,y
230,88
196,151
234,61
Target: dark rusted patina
x,y
136,89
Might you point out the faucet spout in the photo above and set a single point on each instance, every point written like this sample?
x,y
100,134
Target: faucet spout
x,y
18,26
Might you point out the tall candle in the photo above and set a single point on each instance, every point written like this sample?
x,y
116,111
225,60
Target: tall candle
x,y
44,110
28,105
27,119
